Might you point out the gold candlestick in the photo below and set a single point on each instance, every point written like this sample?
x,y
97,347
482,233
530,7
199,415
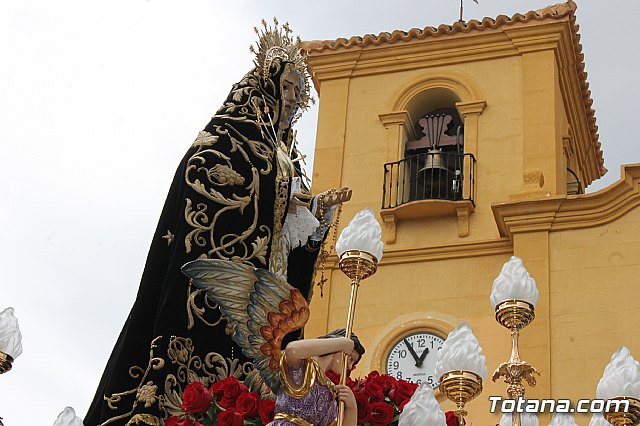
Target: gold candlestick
x,y
6,361
515,315
631,417
460,387
357,265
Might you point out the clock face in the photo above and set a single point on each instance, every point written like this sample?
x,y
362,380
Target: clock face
x,y
413,358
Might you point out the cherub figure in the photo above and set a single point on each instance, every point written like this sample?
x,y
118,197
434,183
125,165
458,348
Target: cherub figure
x,y
263,309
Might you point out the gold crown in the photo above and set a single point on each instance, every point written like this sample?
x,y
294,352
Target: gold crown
x,y
276,43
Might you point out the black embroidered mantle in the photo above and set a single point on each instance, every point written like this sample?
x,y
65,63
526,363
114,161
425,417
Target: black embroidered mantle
x,y
227,201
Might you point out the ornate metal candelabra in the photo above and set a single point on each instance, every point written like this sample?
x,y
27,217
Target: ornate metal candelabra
x,y
357,265
631,417
460,387
515,315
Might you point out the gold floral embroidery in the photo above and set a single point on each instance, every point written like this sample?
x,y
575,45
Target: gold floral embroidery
x,y
278,261
188,368
147,394
145,419
193,368
169,237
225,175
250,243
204,139
200,312
135,372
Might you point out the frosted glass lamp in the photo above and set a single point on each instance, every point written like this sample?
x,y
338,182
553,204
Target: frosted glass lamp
x,y
621,382
68,418
363,233
10,339
422,409
461,367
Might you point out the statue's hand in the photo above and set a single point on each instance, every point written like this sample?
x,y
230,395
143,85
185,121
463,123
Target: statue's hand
x,y
333,198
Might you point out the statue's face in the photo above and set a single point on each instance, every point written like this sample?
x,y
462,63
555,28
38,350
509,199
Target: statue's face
x,y
290,95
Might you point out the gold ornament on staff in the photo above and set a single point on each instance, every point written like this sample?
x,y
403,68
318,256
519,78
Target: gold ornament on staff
x,y
460,387
360,249
514,296
461,368
630,417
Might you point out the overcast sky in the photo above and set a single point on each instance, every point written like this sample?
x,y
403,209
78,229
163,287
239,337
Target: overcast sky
x,y
99,100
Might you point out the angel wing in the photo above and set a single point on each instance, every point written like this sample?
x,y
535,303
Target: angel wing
x,y
261,307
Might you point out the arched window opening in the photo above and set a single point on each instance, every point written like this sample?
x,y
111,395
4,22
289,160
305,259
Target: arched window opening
x,y
434,164
436,159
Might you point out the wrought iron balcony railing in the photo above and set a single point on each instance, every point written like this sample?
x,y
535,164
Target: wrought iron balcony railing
x,y
433,175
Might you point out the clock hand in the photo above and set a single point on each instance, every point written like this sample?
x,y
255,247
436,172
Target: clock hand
x,y
422,357
410,347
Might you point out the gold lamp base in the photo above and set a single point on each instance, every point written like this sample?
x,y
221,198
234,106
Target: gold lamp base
x,y
358,264
460,386
515,314
625,418
5,362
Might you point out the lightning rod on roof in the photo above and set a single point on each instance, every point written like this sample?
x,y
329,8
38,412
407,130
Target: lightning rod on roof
x,y
461,8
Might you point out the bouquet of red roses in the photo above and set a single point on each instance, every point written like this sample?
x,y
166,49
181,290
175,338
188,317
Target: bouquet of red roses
x,y
380,397
226,403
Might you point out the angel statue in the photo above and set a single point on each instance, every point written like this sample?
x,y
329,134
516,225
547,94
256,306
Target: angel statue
x,y
239,195
262,309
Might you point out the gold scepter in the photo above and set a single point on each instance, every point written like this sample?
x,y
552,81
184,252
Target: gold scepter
x,y
360,249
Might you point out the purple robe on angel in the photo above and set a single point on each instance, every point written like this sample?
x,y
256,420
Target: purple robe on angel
x,y
306,397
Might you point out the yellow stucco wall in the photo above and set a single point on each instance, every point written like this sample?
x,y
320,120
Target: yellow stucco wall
x,y
594,300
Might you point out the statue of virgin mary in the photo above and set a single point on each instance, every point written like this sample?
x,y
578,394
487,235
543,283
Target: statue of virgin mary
x,y
237,195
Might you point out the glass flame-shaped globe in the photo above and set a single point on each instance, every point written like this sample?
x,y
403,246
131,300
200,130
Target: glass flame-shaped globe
x,y
621,377
68,418
423,409
362,233
461,351
10,336
514,282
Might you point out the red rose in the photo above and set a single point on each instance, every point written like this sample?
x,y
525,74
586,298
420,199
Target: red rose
x,y
217,389
381,414
247,404
364,408
354,385
196,398
176,421
265,409
387,382
452,419
230,417
373,390
403,391
373,375
227,391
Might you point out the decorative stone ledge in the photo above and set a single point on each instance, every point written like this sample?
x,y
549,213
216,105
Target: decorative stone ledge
x,y
427,208
571,211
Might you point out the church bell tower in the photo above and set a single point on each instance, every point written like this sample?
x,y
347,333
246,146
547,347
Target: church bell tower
x,y
461,138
